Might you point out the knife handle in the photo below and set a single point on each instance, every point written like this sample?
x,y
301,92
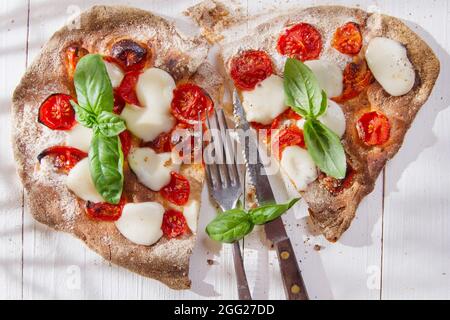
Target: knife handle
x,y
294,286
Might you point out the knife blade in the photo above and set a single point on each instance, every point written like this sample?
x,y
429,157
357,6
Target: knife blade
x,y
275,232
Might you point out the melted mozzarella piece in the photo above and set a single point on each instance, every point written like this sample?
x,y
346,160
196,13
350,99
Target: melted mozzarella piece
x,y
79,137
190,212
152,169
298,166
266,101
155,91
79,181
389,63
328,75
141,222
115,74
334,118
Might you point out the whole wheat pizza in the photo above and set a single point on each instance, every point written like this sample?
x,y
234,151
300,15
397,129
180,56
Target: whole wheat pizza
x,y
335,90
96,118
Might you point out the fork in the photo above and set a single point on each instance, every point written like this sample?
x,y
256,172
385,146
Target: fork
x,y
225,188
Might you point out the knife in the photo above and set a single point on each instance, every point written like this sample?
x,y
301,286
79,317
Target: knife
x,y
294,285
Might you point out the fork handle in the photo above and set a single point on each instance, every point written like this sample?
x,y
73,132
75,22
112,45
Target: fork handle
x,y
242,284
294,285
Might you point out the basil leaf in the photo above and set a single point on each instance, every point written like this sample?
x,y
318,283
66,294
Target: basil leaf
x,y
92,84
325,148
323,104
83,116
110,124
301,89
269,212
230,226
106,166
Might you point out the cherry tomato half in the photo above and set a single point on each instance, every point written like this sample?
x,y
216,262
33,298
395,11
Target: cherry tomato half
x,y
73,55
348,39
57,113
64,158
189,101
174,224
104,211
301,41
289,136
373,128
127,88
357,77
250,68
178,189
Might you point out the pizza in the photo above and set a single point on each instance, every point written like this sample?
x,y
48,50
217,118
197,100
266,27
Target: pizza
x,y
97,117
376,73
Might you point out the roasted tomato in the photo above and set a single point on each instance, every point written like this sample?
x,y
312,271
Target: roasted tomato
x,y
57,113
125,141
174,224
131,55
348,39
289,136
119,103
104,211
73,55
336,186
189,102
289,114
127,88
357,77
373,128
302,42
250,68
64,158
178,189
161,143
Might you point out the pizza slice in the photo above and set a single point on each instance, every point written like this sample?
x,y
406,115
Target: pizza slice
x,y
97,120
376,73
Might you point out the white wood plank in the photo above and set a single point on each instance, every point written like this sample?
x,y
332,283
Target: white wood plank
x,y
13,34
416,255
416,220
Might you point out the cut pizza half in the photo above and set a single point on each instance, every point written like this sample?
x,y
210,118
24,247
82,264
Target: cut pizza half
x,y
97,118
376,73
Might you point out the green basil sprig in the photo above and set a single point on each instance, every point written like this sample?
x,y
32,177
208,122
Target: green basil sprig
x,y
304,96
232,225
94,110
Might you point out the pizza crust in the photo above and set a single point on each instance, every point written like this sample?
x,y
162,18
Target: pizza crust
x,y
332,214
49,200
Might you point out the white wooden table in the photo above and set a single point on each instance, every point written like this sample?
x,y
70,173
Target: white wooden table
x,y
398,247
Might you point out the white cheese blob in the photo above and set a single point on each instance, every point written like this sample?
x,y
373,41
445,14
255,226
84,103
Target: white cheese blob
x,y
298,166
328,75
79,181
79,137
190,212
389,63
266,101
141,222
115,74
155,91
334,118
152,169
145,123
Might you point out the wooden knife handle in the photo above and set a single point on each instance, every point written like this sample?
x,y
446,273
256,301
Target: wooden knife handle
x,y
294,286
